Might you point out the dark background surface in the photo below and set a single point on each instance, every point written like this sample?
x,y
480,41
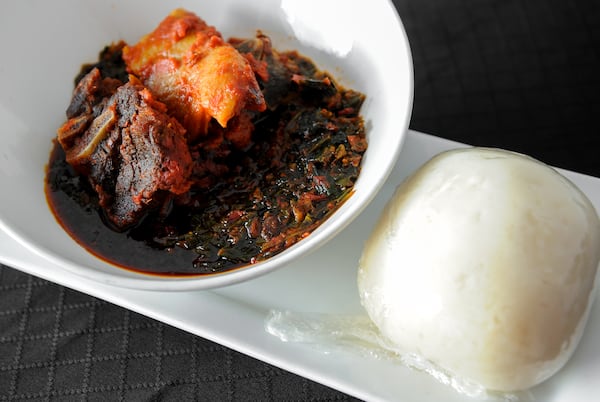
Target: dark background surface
x,y
521,75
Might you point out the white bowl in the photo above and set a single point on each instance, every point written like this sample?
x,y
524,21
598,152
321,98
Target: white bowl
x,y
362,43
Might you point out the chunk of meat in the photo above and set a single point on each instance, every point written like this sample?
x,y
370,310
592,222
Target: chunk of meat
x,y
188,66
134,155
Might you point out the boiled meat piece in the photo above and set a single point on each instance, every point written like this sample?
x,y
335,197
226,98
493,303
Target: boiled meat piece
x,y
135,156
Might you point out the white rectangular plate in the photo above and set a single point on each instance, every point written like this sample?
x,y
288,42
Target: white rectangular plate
x,y
323,282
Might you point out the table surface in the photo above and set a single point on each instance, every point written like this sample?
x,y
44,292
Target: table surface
x,y
520,75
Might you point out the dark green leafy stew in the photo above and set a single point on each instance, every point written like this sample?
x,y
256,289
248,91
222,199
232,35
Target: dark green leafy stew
x,y
247,198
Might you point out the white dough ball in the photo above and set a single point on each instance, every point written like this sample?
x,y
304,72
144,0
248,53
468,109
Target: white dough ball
x,y
484,262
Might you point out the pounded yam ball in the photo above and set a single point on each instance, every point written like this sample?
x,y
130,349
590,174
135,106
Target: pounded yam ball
x,y
484,262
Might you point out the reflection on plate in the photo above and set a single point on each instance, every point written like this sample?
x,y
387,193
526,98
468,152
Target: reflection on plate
x,y
323,282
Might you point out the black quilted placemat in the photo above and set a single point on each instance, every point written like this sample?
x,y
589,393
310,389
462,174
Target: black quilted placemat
x,y
59,344
522,75
516,74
